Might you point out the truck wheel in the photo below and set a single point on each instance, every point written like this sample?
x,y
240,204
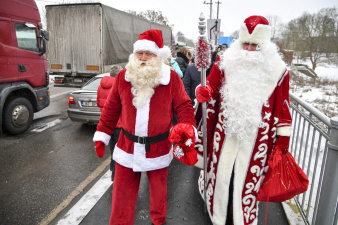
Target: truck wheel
x,y
18,115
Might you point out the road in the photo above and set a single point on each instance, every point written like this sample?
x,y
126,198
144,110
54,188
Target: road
x,y
47,169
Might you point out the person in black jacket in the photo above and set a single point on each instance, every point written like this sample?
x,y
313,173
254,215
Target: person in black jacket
x,y
183,58
191,79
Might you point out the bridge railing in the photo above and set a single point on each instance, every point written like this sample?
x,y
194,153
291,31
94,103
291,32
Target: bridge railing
x,y
314,145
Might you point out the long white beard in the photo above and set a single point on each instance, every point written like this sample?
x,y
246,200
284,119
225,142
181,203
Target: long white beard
x,y
245,90
144,79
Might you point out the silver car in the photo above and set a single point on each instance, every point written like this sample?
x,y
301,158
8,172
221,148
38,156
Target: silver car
x,y
82,105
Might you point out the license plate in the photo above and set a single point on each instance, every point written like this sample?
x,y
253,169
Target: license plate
x,y
77,80
88,104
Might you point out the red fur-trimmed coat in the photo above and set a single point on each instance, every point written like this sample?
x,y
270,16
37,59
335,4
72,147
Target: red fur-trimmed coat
x,y
248,157
150,120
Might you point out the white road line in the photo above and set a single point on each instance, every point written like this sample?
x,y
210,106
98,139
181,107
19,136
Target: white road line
x,y
57,95
47,125
79,211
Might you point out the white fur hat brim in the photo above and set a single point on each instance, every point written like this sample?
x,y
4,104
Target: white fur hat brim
x,y
150,46
260,35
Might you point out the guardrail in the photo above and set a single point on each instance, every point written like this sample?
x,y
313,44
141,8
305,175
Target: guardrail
x,y
314,145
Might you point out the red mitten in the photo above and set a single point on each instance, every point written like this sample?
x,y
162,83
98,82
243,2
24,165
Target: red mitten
x,y
100,148
184,135
181,153
203,94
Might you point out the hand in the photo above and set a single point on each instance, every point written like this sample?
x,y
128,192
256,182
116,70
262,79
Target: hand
x,y
100,148
281,147
183,133
203,94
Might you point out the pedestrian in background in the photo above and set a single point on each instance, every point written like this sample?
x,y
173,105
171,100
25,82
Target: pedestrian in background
x,y
176,67
191,80
183,58
105,87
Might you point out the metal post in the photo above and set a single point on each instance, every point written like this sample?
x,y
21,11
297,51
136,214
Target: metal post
x,y
329,191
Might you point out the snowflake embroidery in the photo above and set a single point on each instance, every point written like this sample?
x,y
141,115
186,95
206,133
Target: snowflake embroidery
x,y
188,142
178,152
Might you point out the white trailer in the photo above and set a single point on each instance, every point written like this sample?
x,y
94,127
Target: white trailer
x,y
87,39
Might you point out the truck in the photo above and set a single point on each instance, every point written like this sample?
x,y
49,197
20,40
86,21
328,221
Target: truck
x,y
24,76
87,39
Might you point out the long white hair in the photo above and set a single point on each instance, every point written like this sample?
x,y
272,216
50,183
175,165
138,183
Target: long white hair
x,y
143,78
248,74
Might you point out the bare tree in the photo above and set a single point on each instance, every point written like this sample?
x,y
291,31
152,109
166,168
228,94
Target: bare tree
x,y
313,35
276,24
180,36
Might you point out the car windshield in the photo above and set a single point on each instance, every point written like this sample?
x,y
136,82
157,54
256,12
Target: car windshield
x,y
92,85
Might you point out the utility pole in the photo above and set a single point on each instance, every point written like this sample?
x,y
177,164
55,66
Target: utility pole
x,y
210,7
218,7
217,18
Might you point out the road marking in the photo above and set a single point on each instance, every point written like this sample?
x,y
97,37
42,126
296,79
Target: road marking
x,y
63,93
47,125
78,190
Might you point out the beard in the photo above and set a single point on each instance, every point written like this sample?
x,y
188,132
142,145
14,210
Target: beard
x,y
144,78
245,90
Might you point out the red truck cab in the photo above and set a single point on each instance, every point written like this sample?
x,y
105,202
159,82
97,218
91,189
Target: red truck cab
x,y
24,76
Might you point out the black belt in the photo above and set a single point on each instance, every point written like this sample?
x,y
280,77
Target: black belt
x,y
146,140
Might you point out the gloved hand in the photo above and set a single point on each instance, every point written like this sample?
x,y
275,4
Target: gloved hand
x,y
281,147
100,148
203,94
184,135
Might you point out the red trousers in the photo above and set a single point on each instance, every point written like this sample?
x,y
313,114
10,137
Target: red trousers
x,y
125,190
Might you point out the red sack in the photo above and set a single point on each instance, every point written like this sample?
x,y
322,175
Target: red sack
x,y
284,178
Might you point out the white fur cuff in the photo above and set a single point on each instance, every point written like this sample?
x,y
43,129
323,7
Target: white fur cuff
x,y
284,131
100,136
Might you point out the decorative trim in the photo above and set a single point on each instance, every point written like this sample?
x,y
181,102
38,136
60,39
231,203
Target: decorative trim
x,y
284,131
101,136
260,35
145,45
141,164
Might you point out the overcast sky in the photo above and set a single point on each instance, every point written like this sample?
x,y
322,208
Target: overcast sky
x,y
184,14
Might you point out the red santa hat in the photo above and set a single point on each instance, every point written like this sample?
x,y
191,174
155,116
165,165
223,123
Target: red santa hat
x,y
255,29
152,41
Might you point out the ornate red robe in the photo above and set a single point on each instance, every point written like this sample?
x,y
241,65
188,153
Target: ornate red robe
x,y
247,157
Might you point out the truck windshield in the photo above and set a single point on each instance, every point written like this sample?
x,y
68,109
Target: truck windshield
x,y
26,37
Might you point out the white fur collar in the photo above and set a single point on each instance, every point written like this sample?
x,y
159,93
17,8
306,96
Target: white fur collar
x,y
166,75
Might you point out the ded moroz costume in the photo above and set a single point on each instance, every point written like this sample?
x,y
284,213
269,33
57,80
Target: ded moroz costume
x,y
248,109
144,97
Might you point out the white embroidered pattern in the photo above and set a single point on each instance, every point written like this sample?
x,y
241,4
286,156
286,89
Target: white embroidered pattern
x,y
178,152
188,142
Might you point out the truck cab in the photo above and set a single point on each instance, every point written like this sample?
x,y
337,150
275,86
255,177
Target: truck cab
x,y
24,76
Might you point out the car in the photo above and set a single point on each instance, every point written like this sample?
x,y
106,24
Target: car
x,y
82,105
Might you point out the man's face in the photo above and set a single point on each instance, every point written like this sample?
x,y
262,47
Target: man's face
x,y
249,46
144,56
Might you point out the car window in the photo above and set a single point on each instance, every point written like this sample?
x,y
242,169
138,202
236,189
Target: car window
x,y
92,84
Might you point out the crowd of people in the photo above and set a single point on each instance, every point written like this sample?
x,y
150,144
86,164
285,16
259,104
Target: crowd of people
x,y
247,86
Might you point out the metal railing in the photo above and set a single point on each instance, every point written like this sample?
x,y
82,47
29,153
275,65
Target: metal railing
x,y
314,145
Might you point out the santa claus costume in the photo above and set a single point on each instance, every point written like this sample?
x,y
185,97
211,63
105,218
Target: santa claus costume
x,y
144,98
248,110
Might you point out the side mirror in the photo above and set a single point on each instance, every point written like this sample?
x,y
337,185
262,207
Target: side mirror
x,y
45,35
42,49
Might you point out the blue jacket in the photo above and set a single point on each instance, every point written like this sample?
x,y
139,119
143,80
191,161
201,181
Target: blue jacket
x,y
176,67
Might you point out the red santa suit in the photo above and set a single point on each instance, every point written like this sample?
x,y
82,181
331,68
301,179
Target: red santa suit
x,y
247,157
152,118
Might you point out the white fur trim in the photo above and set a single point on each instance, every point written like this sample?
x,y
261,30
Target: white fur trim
x,y
145,45
164,52
141,164
200,162
284,131
101,136
261,34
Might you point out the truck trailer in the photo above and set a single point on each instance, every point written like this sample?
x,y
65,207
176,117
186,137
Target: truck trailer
x,y
24,76
87,39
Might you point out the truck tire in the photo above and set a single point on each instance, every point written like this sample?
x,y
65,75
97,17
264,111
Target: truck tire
x,y
18,115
